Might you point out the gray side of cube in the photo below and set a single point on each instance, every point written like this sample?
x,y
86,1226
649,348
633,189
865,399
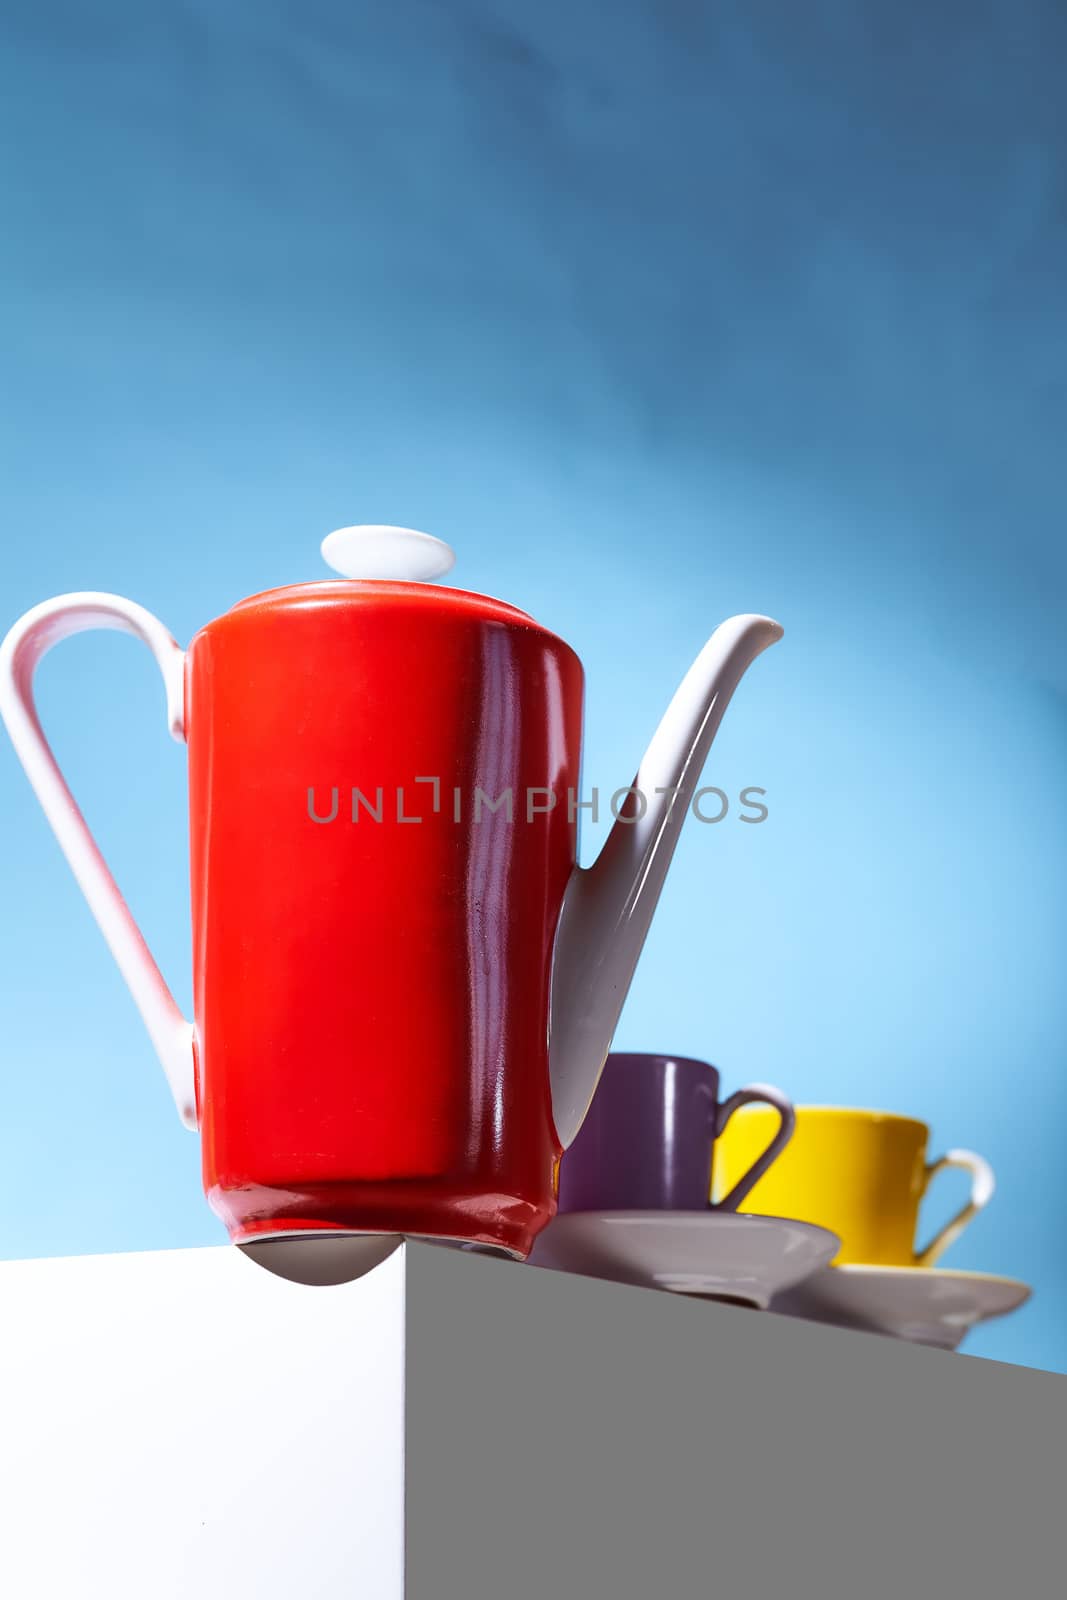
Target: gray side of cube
x,y
567,1437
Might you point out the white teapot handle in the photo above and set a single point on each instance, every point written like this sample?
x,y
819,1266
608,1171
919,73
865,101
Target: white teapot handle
x,y
30,639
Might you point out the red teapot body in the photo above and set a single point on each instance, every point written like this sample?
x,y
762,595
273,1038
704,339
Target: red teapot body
x,y
381,839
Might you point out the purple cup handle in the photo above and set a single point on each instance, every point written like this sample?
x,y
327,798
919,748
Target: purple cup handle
x,y
755,1094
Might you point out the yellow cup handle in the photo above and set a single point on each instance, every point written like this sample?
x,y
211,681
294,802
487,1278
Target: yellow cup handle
x,y
983,1184
755,1094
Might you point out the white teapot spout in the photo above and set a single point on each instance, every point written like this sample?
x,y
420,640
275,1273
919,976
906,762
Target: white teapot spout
x,y
608,906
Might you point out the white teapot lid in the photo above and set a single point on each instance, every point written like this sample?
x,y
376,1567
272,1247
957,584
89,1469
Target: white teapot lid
x,y
378,551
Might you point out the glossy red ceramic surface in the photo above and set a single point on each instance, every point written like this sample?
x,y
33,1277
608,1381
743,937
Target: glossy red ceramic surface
x,y
371,997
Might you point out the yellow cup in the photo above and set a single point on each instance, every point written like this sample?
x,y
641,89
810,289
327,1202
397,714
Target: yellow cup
x,y
862,1174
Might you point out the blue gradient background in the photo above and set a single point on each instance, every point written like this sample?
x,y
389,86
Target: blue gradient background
x,y
657,312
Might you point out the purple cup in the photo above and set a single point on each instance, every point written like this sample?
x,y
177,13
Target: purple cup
x,y
647,1140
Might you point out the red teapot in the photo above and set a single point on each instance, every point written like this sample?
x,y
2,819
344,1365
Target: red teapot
x,y
404,985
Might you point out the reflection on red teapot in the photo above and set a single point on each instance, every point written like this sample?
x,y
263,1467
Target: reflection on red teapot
x,y
401,1016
